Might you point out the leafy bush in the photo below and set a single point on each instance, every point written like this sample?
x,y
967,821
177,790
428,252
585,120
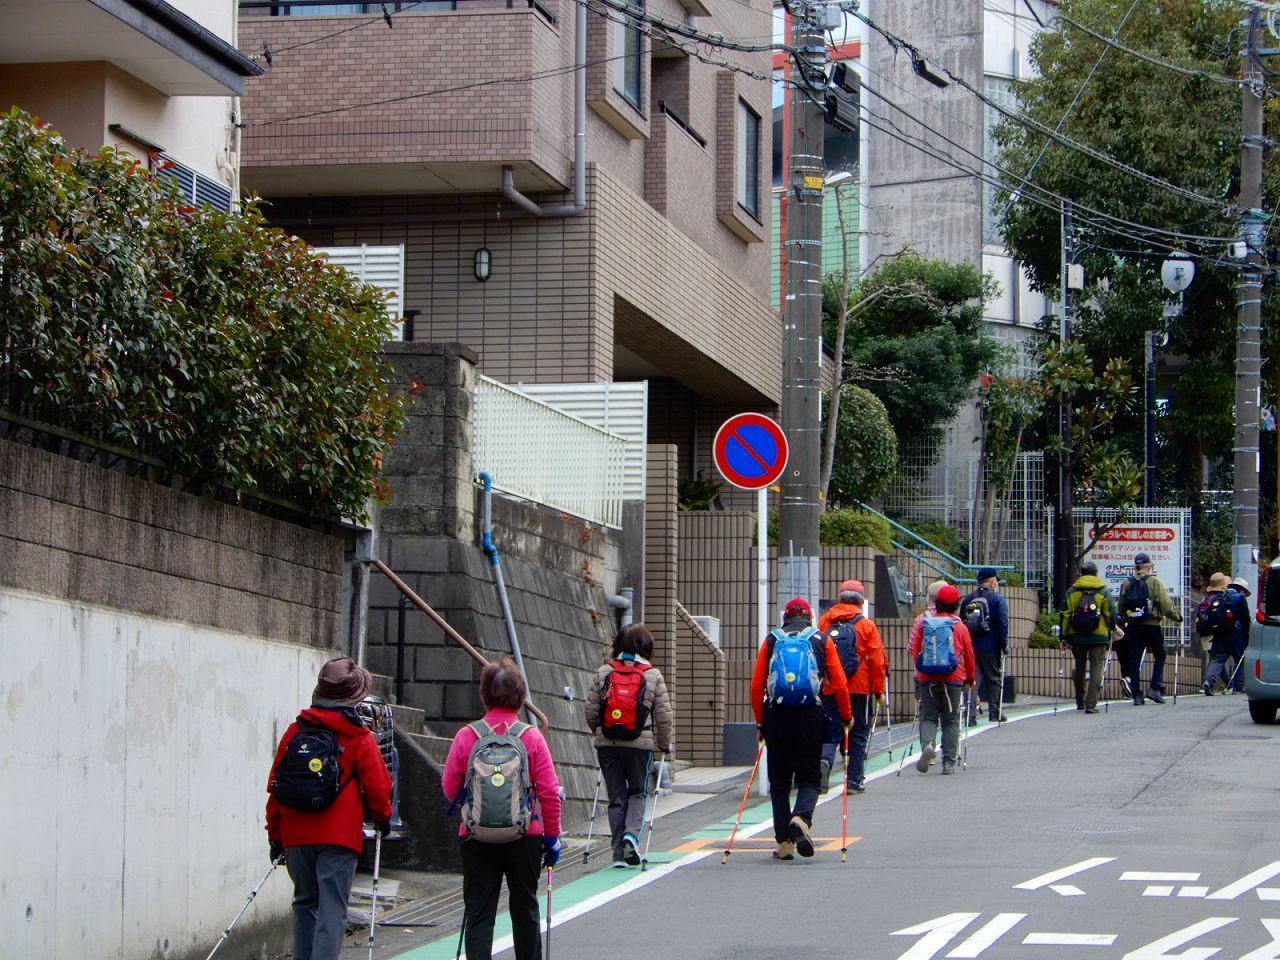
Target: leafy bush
x,y
1013,578
866,452
1042,637
229,351
696,493
941,534
844,528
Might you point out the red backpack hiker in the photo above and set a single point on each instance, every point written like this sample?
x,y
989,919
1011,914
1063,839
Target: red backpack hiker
x,y
623,712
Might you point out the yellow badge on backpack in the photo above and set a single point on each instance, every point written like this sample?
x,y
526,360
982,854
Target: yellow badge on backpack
x,y
498,780
791,678
315,765
616,714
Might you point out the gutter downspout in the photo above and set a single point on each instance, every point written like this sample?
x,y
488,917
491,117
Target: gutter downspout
x,y
579,135
492,552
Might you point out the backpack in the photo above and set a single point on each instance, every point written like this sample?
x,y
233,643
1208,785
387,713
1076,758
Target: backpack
x,y
1087,615
1135,599
308,777
623,712
1214,615
498,804
976,613
937,655
844,634
795,670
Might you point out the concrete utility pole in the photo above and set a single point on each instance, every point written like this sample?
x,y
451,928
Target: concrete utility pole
x,y
799,559
1062,491
1244,496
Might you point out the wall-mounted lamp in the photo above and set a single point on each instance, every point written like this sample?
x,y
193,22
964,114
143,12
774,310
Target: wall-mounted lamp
x,y
483,264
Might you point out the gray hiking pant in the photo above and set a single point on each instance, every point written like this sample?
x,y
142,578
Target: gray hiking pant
x,y
1093,658
940,704
322,875
626,776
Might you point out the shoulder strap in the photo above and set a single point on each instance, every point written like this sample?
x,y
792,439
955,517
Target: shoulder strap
x,y
481,727
518,728
853,621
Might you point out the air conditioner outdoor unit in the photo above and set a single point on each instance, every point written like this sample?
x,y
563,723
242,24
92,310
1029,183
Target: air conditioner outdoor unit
x,y
711,627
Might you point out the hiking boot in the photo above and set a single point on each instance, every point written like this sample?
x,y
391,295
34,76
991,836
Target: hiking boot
x,y
1155,696
800,834
926,758
630,850
858,787
1138,699
1090,709
948,767
786,851
1207,690
824,771
619,864
998,718
1079,704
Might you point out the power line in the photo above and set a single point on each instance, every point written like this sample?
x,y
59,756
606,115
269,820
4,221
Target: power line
x,y
268,54
1148,58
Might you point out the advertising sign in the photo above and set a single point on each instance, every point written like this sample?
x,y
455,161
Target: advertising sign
x,y
1116,548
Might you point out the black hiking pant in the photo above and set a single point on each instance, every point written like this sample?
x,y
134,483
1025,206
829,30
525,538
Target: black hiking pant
x,y
794,737
483,867
626,777
1148,637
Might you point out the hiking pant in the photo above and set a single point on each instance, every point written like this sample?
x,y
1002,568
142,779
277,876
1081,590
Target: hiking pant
x,y
1148,637
483,867
1094,657
626,777
1226,648
940,704
794,737
833,733
322,875
990,682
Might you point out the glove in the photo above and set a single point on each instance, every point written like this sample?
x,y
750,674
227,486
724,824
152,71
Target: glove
x,y
759,733
384,828
550,851
277,849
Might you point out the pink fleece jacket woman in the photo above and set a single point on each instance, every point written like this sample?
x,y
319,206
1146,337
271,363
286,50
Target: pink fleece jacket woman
x,y
546,786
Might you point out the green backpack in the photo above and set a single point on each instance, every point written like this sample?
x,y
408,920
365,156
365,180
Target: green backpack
x,y
499,795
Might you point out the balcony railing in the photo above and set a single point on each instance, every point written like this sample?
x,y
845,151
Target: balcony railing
x,y
537,452
336,8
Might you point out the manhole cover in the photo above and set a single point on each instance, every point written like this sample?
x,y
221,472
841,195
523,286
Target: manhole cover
x,y
1089,828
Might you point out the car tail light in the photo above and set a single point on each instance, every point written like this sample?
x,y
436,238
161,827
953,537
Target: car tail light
x,y
1257,669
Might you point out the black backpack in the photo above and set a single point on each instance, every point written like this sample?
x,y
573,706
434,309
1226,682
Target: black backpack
x,y
1215,615
308,776
1135,599
1087,615
844,634
976,613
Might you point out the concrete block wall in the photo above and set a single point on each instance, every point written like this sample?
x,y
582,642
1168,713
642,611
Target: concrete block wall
x,y
700,719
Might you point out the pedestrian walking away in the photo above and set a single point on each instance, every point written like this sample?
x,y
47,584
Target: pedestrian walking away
x,y
861,651
944,664
500,776
1144,605
327,771
629,710
1088,625
791,667
986,616
1223,619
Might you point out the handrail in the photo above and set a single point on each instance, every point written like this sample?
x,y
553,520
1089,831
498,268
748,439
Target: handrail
x,y
928,563
451,633
936,549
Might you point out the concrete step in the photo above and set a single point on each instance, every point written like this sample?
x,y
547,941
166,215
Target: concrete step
x,y
437,748
408,719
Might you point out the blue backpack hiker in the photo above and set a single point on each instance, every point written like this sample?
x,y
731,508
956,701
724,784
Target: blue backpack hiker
x,y
937,656
844,634
795,669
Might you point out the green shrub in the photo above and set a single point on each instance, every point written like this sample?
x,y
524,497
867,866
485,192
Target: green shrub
x,y
939,533
844,528
1013,578
1042,637
232,353
695,493
866,452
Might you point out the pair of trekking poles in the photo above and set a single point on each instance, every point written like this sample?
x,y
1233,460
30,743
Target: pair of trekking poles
x,y
647,816
373,912
966,699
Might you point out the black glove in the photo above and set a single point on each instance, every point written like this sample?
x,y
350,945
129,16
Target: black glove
x,y
277,849
384,828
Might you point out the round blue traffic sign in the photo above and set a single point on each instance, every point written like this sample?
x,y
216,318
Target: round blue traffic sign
x,y
750,451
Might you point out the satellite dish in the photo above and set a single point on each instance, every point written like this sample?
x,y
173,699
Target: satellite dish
x,y
1176,274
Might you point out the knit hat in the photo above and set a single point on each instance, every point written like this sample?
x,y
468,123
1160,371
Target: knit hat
x,y
853,586
934,588
1088,569
1219,581
949,594
1142,559
986,573
342,680
1243,584
797,607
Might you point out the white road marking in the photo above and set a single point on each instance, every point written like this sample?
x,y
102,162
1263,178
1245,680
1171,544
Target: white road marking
x,y
989,933
1269,893
1247,882
1045,879
1069,939
1192,891
1157,877
1158,891
1272,950
938,932
1066,889
1158,949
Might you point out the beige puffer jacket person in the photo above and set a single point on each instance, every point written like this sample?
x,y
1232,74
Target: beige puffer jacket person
x,y
658,725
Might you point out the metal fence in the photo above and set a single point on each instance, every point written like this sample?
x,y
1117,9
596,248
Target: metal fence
x,y
538,452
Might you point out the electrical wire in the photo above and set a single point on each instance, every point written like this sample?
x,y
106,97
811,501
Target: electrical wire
x,y
1147,58
380,18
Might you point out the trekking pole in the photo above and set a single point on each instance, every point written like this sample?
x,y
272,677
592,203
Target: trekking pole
x,y
844,810
743,806
965,695
595,800
1062,677
888,716
373,910
1177,660
653,813
910,739
252,893
457,954
1106,669
546,950
1000,691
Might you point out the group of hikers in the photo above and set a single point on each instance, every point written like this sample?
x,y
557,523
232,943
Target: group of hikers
x,y
815,690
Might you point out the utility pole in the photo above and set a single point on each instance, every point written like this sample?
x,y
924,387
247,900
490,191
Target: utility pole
x,y
799,557
1244,496
1063,491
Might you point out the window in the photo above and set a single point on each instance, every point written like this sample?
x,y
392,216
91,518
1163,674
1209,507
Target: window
x,y
628,46
335,9
748,160
193,187
1000,90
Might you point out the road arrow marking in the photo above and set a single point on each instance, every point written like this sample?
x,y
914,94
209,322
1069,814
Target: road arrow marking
x,y
1272,950
1247,882
1158,949
1069,939
1149,876
989,933
938,932
1045,879
1066,889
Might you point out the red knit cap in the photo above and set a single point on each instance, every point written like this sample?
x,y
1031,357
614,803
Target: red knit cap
x,y
853,586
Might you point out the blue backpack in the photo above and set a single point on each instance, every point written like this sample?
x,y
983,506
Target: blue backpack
x,y
938,651
795,671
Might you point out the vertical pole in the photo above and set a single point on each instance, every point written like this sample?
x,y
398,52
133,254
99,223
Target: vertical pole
x,y
762,561
1063,528
404,604
1244,496
1149,440
801,504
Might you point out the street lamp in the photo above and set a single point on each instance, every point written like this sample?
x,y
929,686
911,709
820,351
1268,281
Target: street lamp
x,y
1176,274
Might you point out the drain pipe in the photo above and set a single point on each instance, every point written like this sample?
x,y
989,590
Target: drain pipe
x,y
492,552
624,602
579,135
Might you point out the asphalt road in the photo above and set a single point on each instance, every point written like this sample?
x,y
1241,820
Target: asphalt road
x,y
1140,833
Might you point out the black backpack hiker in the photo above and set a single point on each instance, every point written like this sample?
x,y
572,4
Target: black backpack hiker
x,y
308,777
1135,599
975,611
1087,615
844,634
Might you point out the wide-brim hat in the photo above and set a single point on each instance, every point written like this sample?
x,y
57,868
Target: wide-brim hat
x,y
342,680
1219,581
1243,584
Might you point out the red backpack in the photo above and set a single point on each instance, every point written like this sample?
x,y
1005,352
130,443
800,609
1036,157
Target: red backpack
x,y
623,712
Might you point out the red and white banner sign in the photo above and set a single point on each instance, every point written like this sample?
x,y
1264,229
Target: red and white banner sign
x,y
1116,548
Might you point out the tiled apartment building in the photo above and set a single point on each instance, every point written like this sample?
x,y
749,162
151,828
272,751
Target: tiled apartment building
x,y
364,131
152,78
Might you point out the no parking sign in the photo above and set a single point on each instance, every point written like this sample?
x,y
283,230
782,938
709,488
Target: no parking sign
x,y
750,451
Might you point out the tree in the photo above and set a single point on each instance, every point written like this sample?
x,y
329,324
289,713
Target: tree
x,y
1010,408
867,448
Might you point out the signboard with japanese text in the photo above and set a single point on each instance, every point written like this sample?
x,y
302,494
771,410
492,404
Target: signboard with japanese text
x,y
1116,548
